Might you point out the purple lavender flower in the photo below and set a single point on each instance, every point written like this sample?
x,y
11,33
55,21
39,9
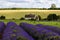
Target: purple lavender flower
x,y
52,28
15,32
2,27
39,33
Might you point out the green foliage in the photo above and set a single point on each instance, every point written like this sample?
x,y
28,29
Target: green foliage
x,y
30,8
58,16
2,17
53,6
22,18
52,17
39,17
23,8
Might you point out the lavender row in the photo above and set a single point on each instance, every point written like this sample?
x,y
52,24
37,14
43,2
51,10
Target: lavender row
x,y
52,28
2,27
15,32
40,33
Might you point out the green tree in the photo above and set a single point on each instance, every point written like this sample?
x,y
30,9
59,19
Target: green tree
x,y
53,6
2,17
52,17
22,18
39,17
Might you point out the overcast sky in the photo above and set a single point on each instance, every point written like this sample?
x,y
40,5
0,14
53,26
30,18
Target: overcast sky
x,y
28,3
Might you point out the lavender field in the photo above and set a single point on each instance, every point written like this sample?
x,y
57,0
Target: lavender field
x,y
27,31
29,19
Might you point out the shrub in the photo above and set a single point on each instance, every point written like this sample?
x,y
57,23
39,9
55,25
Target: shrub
x,y
52,17
2,17
22,18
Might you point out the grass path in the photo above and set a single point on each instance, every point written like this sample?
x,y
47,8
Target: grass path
x,y
52,23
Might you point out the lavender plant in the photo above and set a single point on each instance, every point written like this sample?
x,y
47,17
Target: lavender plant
x,y
39,33
15,32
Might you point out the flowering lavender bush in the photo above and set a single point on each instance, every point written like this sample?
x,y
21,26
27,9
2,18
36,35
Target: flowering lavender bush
x,y
2,27
40,33
26,31
15,32
52,28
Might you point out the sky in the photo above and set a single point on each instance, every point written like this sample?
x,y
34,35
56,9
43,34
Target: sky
x,y
28,3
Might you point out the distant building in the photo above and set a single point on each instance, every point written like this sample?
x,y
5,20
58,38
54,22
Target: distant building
x,y
37,18
30,16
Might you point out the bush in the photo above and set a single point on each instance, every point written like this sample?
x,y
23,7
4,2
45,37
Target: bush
x,y
52,17
2,17
22,18
58,17
39,17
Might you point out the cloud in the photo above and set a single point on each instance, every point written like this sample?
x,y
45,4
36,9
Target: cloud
x,y
28,3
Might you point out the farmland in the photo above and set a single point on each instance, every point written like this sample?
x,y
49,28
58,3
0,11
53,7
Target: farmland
x,y
26,31
15,29
20,13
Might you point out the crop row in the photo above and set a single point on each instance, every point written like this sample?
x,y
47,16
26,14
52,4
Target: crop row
x,y
40,33
25,31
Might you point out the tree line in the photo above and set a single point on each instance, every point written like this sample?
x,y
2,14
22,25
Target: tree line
x,y
51,8
50,17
